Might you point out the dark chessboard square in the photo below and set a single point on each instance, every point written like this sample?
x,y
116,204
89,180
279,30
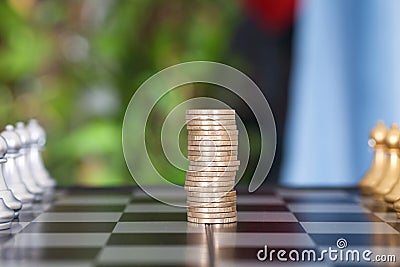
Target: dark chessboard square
x,y
145,199
336,217
395,226
157,239
357,239
141,264
64,254
27,216
4,237
140,217
265,191
83,208
315,199
262,208
377,208
269,227
69,227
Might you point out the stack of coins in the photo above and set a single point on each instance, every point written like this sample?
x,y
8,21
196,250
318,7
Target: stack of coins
x,y
210,179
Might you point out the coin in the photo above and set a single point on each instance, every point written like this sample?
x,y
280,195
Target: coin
x,y
213,169
211,215
210,199
211,204
213,143
201,220
215,163
199,194
212,138
212,148
210,111
211,122
206,179
212,159
211,210
210,184
209,189
191,127
209,117
216,133
212,153
211,173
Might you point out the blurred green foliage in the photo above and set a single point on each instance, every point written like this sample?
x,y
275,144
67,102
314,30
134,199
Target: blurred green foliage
x,y
74,65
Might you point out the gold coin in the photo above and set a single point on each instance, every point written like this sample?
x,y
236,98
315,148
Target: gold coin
x,y
201,220
210,199
210,189
224,194
211,215
211,204
212,138
214,133
215,163
210,111
211,173
213,159
213,169
213,143
209,117
210,184
213,153
211,127
211,122
211,210
212,148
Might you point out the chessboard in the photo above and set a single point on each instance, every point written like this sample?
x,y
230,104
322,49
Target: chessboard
x,y
125,227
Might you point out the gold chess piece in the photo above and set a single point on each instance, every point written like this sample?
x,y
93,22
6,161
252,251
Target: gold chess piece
x,y
380,161
392,173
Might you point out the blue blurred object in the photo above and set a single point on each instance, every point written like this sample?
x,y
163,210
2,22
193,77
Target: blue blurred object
x,y
346,76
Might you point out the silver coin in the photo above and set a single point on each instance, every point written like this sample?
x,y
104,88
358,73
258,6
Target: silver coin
x,y
219,215
211,143
213,169
210,122
200,195
211,210
213,153
212,138
214,133
212,148
213,159
215,163
211,184
210,189
209,117
211,221
211,204
211,173
210,111
211,127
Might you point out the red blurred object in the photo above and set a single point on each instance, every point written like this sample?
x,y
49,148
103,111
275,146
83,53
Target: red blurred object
x,y
275,15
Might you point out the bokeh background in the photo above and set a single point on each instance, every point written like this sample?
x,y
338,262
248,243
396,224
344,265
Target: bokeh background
x,y
74,65
324,66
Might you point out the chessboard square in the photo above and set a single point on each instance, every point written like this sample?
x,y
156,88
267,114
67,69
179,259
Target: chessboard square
x,y
262,207
367,239
157,227
87,208
27,216
160,191
165,239
259,200
61,240
336,217
34,254
313,193
388,216
348,228
395,225
153,207
328,208
271,216
157,255
313,199
93,200
262,239
45,263
69,227
268,227
146,216
78,217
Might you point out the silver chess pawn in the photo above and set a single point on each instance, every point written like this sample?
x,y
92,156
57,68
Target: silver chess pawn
x,y
38,141
8,197
6,214
16,171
